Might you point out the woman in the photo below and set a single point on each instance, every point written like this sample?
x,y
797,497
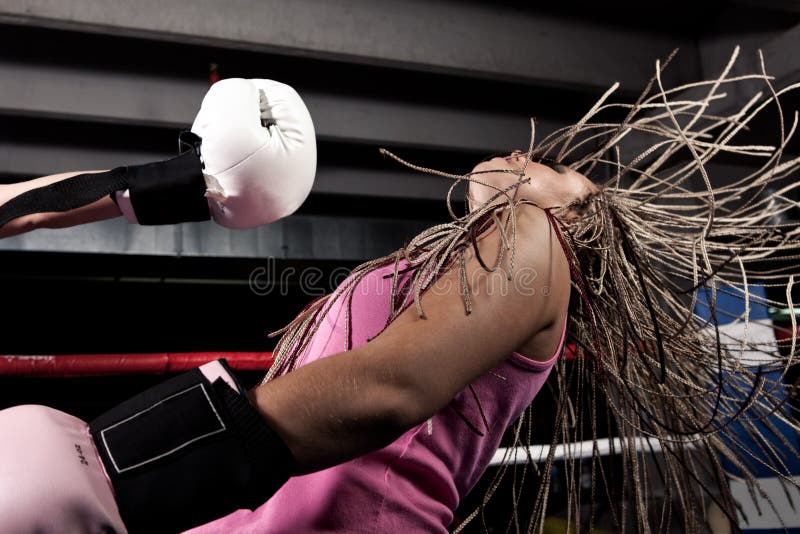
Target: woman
x,y
415,371
429,362
636,257
416,386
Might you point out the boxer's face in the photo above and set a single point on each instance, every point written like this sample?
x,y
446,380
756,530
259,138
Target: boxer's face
x,y
548,187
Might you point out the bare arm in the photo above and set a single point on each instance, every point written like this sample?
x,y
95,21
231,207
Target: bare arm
x,y
103,209
345,405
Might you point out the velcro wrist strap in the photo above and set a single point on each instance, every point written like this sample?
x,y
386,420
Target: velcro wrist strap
x,y
164,192
270,459
169,192
186,452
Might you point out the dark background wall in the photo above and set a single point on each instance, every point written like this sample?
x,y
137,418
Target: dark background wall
x,y
95,84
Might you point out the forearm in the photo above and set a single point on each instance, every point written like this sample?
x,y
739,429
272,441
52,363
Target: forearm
x,y
102,209
333,410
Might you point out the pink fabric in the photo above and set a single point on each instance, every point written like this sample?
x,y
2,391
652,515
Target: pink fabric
x,y
125,206
51,478
415,483
214,370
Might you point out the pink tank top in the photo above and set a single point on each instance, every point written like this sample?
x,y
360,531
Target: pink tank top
x,y
415,483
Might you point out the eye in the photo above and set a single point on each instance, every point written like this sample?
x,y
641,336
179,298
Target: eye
x,y
561,169
556,166
516,155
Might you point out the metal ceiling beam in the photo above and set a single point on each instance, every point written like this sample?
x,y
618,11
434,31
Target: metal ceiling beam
x,y
29,159
136,98
478,40
780,63
770,26
296,237
781,56
787,6
19,159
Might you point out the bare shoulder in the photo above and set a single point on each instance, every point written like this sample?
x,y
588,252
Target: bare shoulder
x,y
541,272
529,287
533,238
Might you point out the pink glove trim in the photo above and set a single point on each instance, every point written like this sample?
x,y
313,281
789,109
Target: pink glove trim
x,y
124,203
214,370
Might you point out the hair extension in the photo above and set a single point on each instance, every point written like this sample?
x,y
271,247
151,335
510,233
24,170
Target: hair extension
x,y
637,255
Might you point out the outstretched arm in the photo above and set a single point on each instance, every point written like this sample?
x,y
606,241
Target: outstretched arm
x,y
100,210
250,159
337,408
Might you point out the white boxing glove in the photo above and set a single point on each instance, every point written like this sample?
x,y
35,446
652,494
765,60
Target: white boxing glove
x,y
180,454
249,160
51,478
258,150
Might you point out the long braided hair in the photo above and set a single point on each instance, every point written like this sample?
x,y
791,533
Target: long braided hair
x,y
665,224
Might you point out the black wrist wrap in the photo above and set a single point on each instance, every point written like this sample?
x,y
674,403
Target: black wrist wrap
x,y
165,192
186,452
172,191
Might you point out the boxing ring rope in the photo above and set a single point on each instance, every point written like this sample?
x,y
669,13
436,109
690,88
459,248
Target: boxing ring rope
x,y
579,449
74,365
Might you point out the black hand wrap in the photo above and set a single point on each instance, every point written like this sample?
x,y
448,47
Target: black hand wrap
x,y
165,192
186,452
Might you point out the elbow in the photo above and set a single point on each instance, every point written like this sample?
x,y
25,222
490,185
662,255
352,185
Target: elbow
x,y
404,411
35,221
402,407
399,397
389,417
393,398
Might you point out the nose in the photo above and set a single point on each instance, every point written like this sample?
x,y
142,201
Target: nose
x,y
516,154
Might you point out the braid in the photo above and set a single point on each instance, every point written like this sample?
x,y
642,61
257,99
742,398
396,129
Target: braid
x,y
638,254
